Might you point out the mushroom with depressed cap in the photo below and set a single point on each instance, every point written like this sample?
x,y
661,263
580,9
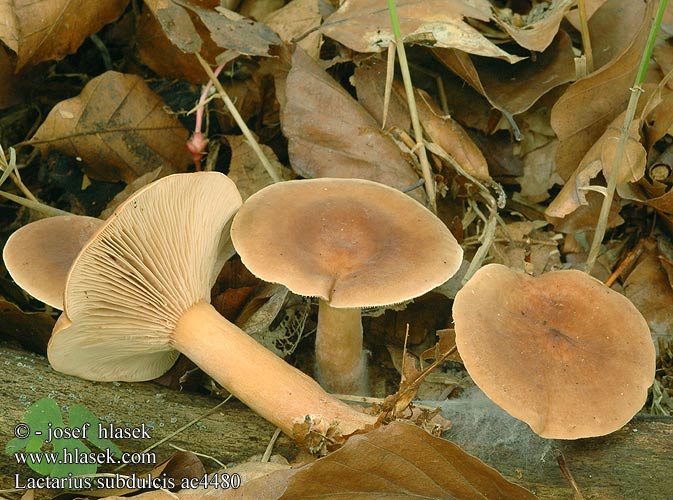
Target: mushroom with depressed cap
x,y
138,294
562,352
38,256
352,243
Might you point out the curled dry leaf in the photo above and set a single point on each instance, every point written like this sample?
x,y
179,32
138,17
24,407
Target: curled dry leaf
x,y
365,26
330,135
246,170
514,88
400,461
118,127
298,18
170,32
600,158
648,287
31,330
10,93
174,57
536,30
370,80
45,30
619,31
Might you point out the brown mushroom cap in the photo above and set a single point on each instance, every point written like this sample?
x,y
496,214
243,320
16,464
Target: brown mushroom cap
x,y
39,255
351,242
562,352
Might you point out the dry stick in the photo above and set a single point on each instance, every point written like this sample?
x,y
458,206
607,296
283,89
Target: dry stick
x,y
560,459
390,72
239,121
416,124
636,90
586,39
488,235
175,433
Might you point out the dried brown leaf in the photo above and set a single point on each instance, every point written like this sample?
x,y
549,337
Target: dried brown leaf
x,y
118,127
573,16
232,31
174,58
400,461
619,31
330,135
364,26
539,174
247,171
45,30
648,287
584,217
370,80
298,18
9,83
31,330
600,158
540,25
514,88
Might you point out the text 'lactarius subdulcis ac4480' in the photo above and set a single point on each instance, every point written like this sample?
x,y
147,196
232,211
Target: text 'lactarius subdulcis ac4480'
x,y
138,294
352,243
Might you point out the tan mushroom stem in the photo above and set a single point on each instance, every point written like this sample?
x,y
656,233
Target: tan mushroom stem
x,y
268,385
340,361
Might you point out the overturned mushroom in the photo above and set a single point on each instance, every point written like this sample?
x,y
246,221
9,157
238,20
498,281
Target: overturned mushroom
x,y
352,243
138,295
562,352
39,255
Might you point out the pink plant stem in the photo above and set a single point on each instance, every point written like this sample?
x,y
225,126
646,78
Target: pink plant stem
x,y
197,144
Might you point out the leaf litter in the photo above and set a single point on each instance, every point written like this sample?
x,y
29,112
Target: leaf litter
x,y
499,100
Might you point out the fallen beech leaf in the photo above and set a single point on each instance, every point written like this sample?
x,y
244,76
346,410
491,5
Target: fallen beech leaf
x,y
174,58
44,30
330,135
600,158
9,83
298,18
364,26
583,217
171,31
400,461
539,26
573,16
247,171
647,286
119,128
619,31
31,330
514,88
539,175
370,80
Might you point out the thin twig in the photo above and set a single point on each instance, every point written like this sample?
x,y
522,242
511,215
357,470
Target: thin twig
x,y
430,189
269,447
577,494
636,90
239,121
221,464
186,426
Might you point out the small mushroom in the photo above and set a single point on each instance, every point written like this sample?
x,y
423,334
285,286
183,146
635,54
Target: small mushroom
x,y
352,243
138,294
38,256
562,352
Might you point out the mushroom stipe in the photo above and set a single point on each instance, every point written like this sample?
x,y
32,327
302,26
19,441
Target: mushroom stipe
x,y
139,292
352,243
